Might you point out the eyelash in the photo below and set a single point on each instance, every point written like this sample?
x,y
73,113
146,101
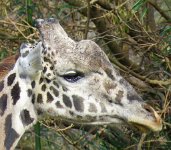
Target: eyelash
x,y
73,76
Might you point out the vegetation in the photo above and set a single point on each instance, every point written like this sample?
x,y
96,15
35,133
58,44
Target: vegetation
x,y
135,34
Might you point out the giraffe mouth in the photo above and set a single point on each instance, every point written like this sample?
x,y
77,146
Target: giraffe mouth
x,y
147,124
140,127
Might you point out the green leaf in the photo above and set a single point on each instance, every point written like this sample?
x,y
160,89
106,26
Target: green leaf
x,y
144,13
138,4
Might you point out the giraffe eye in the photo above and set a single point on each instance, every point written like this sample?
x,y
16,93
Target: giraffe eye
x,y
73,76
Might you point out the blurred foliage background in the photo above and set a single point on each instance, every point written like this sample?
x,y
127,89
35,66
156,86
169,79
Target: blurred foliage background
x,y
136,36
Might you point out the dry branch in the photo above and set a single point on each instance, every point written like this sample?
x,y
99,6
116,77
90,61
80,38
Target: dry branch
x,y
101,20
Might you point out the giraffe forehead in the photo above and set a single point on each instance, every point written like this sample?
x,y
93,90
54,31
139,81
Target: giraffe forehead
x,y
86,55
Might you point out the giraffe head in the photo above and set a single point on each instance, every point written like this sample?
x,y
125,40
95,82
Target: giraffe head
x,y
79,83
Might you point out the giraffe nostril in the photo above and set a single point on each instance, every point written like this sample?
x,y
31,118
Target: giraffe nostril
x,y
110,101
148,108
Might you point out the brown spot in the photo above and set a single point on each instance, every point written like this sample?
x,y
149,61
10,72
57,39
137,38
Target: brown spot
x,y
47,60
109,73
25,54
119,97
11,134
92,108
33,83
49,97
15,93
10,79
29,92
25,117
44,69
67,101
56,84
54,91
39,111
1,85
49,74
3,104
47,80
41,80
51,68
39,98
52,53
71,113
64,89
109,86
78,103
44,87
33,99
58,105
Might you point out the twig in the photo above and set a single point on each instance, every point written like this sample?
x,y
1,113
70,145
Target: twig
x,y
57,130
143,78
141,141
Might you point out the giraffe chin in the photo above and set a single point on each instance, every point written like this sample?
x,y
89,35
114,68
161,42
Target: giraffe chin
x,y
147,128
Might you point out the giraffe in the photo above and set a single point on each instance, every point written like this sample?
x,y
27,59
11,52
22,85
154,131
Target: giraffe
x,y
70,80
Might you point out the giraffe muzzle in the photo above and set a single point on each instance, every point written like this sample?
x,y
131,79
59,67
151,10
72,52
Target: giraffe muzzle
x,y
146,124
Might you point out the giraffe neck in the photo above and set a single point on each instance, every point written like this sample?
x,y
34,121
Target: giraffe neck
x,y
17,112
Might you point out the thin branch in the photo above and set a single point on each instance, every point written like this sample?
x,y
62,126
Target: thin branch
x,y
143,78
141,141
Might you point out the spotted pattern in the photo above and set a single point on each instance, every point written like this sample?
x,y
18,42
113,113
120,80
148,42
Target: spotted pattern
x,y
49,97
119,97
11,79
1,86
41,80
33,99
3,104
29,92
54,91
56,84
11,134
33,83
64,89
47,80
109,86
39,98
109,73
67,101
58,105
44,69
44,87
78,103
26,118
15,93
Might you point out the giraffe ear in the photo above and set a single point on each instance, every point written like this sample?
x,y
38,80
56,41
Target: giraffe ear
x,y
30,59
